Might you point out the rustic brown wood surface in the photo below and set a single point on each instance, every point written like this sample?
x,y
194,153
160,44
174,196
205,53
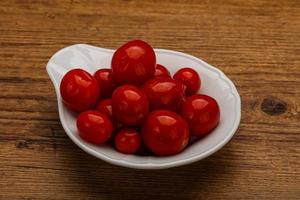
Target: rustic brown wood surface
x,y
256,43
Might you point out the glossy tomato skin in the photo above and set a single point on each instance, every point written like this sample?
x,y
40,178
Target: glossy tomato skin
x,y
165,133
79,90
130,105
190,79
94,127
161,71
128,141
202,113
105,106
133,63
164,93
105,81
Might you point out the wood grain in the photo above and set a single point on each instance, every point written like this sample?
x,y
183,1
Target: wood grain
x,y
256,43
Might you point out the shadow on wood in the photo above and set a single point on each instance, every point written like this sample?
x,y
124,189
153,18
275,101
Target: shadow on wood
x,y
124,183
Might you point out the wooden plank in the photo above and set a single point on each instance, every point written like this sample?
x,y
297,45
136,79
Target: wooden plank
x,y
256,43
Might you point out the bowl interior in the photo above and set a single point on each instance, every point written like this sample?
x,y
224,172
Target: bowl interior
x,y
214,83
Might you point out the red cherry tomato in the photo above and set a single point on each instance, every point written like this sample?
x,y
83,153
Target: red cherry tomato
x,y
164,93
190,79
133,63
105,81
104,106
94,127
130,105
79,90
161,71
128,141
165,133
202,114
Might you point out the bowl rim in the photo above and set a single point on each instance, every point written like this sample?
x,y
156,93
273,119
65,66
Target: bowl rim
x,y
125,163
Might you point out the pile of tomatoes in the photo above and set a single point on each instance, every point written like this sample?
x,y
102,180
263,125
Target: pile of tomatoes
x,y
137,104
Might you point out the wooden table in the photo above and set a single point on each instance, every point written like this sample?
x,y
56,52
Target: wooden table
x,y
256,43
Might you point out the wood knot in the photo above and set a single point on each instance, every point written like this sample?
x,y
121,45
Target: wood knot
x,y
22,144
273,106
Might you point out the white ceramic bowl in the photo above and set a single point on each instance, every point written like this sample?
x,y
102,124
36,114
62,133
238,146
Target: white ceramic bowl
x,y
214,83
